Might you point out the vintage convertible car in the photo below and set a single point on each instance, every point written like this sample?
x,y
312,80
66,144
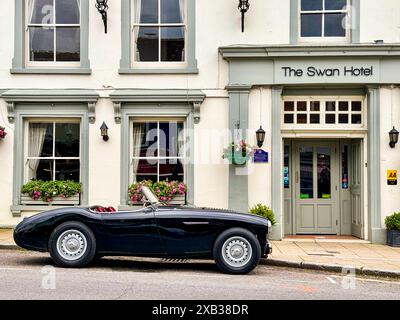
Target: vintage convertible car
x,y
76,236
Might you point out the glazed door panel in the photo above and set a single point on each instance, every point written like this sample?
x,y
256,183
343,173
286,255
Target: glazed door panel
x,y
316,188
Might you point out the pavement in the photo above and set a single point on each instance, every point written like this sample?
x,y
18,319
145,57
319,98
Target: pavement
x,y
32,275
325,255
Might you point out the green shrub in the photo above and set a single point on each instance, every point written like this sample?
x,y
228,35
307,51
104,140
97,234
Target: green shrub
x,y
393,222
47,190
263,211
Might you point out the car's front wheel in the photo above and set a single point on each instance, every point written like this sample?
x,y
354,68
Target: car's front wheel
x,y
72,245
237,251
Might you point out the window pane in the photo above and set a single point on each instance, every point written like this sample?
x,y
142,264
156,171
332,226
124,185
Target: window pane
x,y
148,12
145,138
171,11
356,119
330,106
335,25
67,140
288,118
289,106
67,12
172,43
308,5
171,169
40,170
67,170
286,171
301,106
343,106
314,106
330,118
314,118
356,106
302,118
40,139
343,118
169,133
306,173
146,43
345,167
68,44
324,172
41,44
335,4
146,170
42,12
311,25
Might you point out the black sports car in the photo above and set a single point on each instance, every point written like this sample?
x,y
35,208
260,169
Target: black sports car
x,y
76,236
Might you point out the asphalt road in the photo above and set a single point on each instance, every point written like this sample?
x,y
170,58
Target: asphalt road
x,y
26,275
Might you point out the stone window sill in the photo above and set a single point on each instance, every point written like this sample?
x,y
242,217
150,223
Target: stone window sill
x,y
82,71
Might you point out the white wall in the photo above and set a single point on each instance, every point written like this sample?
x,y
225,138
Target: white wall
x,y
390,158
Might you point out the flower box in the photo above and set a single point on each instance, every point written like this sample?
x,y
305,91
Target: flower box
x,y
393,238
57,201
178,200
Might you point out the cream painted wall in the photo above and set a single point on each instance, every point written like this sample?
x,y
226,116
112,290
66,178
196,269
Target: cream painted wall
x,y
6,167
211,180
260,173
390,158
380,20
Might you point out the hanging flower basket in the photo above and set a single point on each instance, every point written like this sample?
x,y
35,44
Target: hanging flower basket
x,y
3,133
238,153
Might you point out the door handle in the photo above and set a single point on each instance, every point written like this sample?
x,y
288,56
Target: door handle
x,y
297,177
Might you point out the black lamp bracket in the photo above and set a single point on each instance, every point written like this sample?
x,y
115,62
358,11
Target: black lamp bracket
x,y
102,8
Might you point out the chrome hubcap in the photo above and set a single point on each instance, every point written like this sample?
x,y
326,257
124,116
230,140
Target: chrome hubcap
x,y
236,251
71,245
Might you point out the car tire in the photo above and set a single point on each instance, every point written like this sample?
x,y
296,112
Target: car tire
x,y
72,245
237,251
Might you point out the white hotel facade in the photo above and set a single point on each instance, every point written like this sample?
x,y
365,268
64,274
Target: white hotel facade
x,y
322,78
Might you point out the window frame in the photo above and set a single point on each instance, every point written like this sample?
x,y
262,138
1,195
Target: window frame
x,y
159,25
128,65
157,120
54,26
322,125
53,158
323,12
20,62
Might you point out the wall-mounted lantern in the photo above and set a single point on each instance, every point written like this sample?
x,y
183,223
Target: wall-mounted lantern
x,y
104,132
260,134
102,7
243,7
394,137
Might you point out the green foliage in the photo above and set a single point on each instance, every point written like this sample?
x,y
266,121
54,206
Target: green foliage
x,y
393,222
48,190
164,190
263,211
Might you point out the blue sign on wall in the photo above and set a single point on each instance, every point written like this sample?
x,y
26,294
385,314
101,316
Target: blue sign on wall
x,y
260,156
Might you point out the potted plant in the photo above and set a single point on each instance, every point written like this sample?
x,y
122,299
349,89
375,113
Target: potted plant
x,y
3,133
393,229
264,211
168,192
238,153
51,192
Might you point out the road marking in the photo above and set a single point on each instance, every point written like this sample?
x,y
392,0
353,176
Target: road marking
x,y
331,280
371,280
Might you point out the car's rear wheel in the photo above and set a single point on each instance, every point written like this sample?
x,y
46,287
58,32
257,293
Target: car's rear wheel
x,y
72,244
237,251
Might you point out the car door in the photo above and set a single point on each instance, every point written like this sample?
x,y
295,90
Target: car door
x,y
186,232
133,232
